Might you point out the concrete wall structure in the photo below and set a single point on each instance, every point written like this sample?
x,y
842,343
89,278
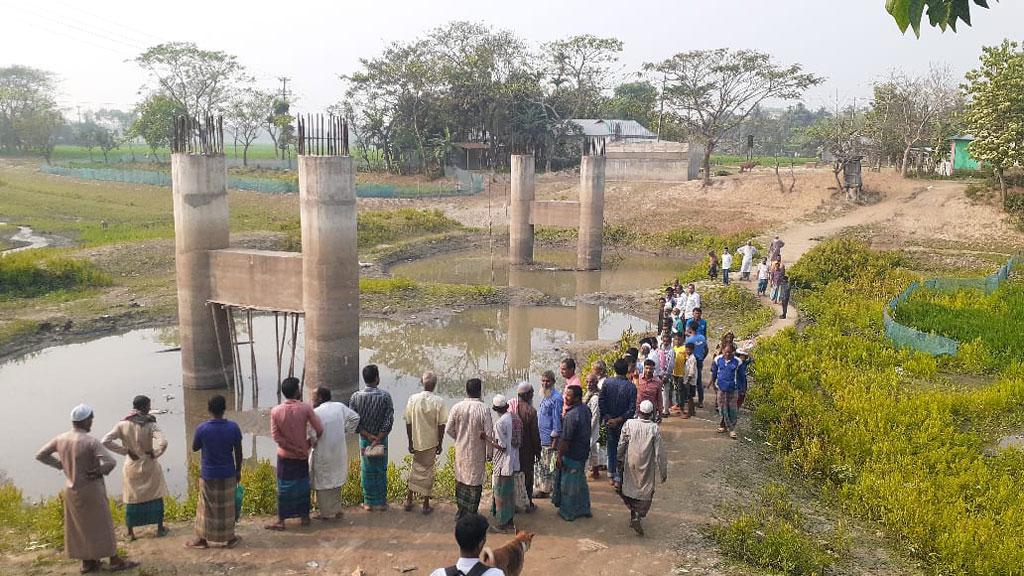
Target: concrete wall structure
x,y
330,270
200,199
652,161
587,214
322,282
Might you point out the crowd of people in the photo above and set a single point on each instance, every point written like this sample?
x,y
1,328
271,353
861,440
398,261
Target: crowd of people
x,y
541,446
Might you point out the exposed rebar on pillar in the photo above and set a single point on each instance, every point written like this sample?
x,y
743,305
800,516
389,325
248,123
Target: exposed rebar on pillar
x,y
520,230
200,198
590,247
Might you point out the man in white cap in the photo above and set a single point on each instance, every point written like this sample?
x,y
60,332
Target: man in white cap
x,y
506,462
641,459
88,527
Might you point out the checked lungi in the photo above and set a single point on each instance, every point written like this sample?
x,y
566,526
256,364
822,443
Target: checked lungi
x,y
373,474
292,488
467,498
144,513
503,504
637,508
571,494
215,510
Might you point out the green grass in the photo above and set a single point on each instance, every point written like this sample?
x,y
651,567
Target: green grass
x,y
683,238
376,229
378,293
39,272
989,325
772,534
737,159
881,433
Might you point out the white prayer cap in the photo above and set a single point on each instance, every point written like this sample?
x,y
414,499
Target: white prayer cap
x,y
646,407
524,388
81,412
499,401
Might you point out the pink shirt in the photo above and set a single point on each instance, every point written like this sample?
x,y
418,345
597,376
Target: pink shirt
x,y
288,422
574,381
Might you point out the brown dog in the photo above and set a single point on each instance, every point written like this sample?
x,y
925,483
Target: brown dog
x,y
510,557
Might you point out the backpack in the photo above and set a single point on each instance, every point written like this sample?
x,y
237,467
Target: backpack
x,y
477,570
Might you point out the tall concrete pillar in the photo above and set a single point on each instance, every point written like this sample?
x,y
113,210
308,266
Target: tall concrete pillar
x,y
588,251
199,184
330,271
520,231
519,335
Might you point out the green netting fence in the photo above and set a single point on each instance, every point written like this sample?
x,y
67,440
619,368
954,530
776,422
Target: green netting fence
x,y
466,183
907,337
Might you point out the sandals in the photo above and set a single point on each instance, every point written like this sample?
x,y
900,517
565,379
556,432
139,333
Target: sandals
x,y
233,542
126,565
197,544
427,510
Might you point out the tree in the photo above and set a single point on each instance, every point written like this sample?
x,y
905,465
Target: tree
x,y
118,123
155,121
842,136
915,107
941,13
633,101
713,91
37,129
995,114
246,115
199,81
27,98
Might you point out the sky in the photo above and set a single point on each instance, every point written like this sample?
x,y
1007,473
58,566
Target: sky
x,y
89,45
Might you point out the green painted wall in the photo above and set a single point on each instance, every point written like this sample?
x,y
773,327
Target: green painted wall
x,y
962,158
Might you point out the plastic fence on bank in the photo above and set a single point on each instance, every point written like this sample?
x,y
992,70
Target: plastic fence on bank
x,y
934,344
467,183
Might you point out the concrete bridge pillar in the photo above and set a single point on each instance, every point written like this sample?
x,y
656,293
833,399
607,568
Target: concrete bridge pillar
x,y
330,271
200,195
523,190
588,316
589,249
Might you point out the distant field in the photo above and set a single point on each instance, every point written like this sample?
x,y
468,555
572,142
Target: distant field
x,y
736,160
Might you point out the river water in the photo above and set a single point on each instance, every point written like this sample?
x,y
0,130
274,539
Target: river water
x,y
500,344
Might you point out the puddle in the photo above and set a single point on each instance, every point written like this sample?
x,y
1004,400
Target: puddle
x,y
26,235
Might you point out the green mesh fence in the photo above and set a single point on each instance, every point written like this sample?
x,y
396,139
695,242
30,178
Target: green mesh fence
x,y
907,337
467,183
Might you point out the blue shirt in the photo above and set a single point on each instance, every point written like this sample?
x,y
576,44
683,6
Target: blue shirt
x,y
549,417
576,432
217,438
700,346
701,327
724,372
617,399
741,376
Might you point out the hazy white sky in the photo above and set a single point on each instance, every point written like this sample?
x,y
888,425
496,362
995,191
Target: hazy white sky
x,y
851,42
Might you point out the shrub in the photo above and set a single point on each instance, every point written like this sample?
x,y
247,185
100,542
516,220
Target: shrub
x,y
37,272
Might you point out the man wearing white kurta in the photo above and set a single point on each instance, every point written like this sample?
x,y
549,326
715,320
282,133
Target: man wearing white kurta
x,y
329,460
138,438
642,459
747,251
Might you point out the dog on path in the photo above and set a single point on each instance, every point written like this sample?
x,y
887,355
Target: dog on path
x,y
510,557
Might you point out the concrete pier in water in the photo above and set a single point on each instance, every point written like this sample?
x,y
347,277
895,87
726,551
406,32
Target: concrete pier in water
x,y
201,224
524,185
591,232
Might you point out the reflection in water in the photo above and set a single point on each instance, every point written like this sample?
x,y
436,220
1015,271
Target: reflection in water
x,y
500,344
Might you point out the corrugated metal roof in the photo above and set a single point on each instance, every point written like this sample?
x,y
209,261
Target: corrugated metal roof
x,y
964,137
610,127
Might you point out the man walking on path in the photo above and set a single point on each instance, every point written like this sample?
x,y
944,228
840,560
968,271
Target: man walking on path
x,y
747,251
649,387
642,460
726,265
700,352
784,290
618,404
289,422
549,424
723,374
664,363
425,418
219,474
88,527
506,461
376,418
329,462
469,424
775,249
691,302
571,494
138,438
529,449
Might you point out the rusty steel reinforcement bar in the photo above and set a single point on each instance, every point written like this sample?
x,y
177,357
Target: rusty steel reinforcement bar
x,y
322,135
191,135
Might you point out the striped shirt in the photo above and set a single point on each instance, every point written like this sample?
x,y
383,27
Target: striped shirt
x,y
375,409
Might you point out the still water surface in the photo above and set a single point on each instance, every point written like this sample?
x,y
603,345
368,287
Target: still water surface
x,y
501,344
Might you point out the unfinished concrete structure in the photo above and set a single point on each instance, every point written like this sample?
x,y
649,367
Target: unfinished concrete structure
x,y
587,214
321,283
653,161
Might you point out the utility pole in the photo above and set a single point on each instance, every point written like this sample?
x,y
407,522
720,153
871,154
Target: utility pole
x,y
661,111
284,87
